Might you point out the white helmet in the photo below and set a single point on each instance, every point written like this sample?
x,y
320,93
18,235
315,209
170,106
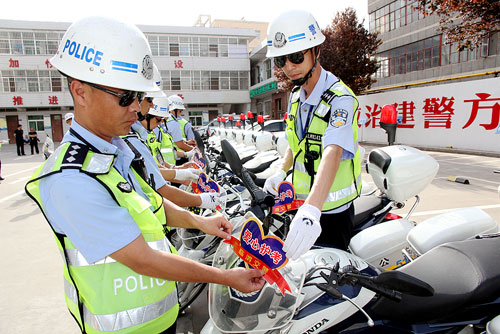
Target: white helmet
x,y
291,32
68,116
160,107
106,52
157,80
176,102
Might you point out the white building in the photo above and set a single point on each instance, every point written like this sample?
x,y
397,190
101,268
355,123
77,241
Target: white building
x,y
208,67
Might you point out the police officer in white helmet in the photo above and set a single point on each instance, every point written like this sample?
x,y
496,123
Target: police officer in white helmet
x,y
120,270
68,118
144,143
173,127
322,135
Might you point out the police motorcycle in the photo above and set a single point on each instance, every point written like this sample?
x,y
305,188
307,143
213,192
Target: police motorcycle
x,y
450,289
401,173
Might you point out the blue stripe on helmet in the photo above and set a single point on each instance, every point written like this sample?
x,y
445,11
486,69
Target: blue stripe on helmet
x,y
123,64
123,69
295,37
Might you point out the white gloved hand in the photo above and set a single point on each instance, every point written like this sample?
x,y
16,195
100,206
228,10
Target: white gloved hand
x,y
304,231
210,200
272,182
187,174
189,154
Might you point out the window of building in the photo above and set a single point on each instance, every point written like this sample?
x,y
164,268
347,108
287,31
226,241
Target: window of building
x,y
196,118
184,47
175,80
214,80
165,79
224,80
243,80
196,80
269,73
213,47
185,80
35,122
205,80
32,78
394,15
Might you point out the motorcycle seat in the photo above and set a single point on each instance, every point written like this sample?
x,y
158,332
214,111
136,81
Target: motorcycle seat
x,y
365,206
262,167
462,273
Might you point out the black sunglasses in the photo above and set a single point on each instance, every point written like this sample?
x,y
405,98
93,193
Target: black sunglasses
x,y
126,98
295,58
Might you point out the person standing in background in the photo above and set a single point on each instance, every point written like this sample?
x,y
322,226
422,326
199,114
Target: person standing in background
x,y
18,134
33,136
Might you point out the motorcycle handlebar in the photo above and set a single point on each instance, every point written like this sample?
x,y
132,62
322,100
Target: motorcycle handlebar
x,y
259,196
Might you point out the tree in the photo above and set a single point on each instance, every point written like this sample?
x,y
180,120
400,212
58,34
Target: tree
x,y
348,52
466,22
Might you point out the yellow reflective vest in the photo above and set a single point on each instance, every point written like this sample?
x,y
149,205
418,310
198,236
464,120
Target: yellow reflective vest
x,y
308,151
107,296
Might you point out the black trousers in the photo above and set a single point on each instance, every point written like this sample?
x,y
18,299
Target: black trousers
x,y
34,146
171,329
336,229
20,148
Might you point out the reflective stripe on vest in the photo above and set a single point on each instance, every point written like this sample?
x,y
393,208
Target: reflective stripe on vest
x,y
111,296
183,123
347,183
123,319
167,147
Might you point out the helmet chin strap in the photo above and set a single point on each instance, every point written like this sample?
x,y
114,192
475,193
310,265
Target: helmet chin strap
x,y
140,116
148,120
302,81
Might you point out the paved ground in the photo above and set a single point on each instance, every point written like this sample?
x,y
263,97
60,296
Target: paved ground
x,y
31,297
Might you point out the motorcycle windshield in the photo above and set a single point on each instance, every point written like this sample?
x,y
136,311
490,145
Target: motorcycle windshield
x,y
235,312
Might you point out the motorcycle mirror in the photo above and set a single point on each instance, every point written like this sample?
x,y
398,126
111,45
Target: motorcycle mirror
x,y
201,145
404,283
199,142
232,157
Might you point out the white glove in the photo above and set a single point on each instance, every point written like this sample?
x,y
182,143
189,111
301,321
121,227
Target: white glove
x,y
187,174
210,200
272,182
304,231
189,154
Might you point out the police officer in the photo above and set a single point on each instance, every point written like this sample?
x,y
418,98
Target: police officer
x,y
322,136
176,108
140,138
173,128
119,268
68,118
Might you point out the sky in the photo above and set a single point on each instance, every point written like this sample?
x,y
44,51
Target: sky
x,y
177,13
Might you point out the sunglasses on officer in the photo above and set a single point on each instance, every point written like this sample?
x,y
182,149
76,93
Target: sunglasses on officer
x,y
294,58
126,98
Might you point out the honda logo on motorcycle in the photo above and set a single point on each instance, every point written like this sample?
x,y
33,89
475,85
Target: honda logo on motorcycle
x,y
316,327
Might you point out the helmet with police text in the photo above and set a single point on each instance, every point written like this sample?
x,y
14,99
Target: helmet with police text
x,y
176,102
157,80
68,116
291,32
106,52
160,107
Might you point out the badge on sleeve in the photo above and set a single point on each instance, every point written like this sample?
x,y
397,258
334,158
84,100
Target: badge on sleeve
x,y
338,118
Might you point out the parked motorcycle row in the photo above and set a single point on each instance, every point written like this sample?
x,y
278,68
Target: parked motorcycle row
x,y
440,276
